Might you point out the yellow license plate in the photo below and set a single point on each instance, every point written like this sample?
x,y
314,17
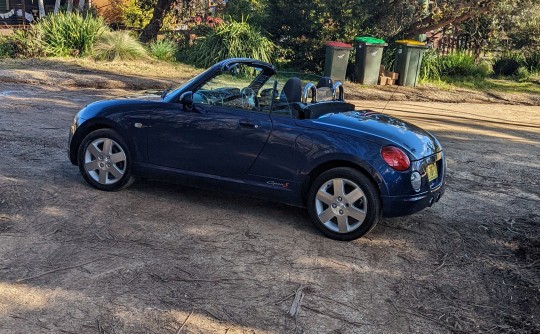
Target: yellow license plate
x,y
432,172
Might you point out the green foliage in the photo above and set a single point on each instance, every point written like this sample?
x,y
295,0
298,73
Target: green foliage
x,y
431,65
238,9
118,45
228,40
136,13
164,50
532,60
461,64
21,44
458,64
508,63
523,74
300,28
66,34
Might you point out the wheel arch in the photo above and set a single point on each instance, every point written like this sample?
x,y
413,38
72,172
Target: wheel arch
x,y
87,127
363,168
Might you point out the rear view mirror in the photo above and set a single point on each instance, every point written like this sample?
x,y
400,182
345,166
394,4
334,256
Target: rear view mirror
x,y
187,101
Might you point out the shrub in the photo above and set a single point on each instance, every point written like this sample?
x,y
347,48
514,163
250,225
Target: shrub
x,y
72,34
532,60
228,40
459,64
508,64
431,65
118,45
523,73
164,50
22,44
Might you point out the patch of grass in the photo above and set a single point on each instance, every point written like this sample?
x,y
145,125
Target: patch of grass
x,y
486,84
163,50
118,45
141,68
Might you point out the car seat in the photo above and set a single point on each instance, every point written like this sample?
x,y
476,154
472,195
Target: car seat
x,y
292,91
325,92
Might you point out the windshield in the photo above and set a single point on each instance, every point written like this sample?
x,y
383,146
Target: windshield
x,y
169,92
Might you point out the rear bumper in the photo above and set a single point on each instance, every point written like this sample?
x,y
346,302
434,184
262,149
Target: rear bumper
x,y
394,206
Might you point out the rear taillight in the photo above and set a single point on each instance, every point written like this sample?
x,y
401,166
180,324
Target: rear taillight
x,y
395,158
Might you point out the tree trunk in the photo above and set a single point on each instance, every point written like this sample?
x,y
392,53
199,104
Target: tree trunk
x,y
70,6
41,8
151,30
81,5
57,7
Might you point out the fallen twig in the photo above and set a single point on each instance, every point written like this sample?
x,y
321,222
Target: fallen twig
x,y
442,263
284,299
298,296
185,322
57,269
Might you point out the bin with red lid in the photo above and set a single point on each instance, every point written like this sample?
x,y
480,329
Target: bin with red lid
x,y
336,60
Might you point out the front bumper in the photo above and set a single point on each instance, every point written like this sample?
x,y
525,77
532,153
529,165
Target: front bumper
x,y
71,151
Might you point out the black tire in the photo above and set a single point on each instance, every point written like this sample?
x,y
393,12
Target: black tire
x,y
123,168
369,204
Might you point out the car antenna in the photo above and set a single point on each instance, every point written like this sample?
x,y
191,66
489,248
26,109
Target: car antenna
x,y
391,96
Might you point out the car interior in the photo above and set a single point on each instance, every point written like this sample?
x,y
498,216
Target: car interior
x,y
251,89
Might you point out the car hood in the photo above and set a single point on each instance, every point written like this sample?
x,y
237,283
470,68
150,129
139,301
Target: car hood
x,y
107,108
379,128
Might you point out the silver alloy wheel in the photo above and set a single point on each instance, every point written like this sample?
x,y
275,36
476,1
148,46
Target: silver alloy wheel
x,y
105,161
341,205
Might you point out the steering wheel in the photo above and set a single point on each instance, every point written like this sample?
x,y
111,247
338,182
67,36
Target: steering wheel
x,y
249,98
200,97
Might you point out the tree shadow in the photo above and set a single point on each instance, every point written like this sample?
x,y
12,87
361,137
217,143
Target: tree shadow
x,y
144,259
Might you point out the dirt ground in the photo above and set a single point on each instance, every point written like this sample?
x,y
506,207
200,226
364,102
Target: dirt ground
x,y
152,74
161,258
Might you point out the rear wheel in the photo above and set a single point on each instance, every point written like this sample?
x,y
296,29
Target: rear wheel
x,y
343,204
104,160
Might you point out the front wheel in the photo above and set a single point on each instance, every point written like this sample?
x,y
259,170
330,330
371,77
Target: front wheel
x,y
104,160
343,204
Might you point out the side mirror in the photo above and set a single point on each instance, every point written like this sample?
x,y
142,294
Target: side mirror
x,y
187,101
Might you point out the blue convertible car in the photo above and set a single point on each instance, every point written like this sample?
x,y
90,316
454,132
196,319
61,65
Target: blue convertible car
x,y
235,127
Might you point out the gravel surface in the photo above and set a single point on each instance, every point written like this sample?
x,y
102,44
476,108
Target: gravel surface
x,y
161,258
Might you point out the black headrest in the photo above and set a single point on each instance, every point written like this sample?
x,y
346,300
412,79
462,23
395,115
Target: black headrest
x,y
292,91
325,82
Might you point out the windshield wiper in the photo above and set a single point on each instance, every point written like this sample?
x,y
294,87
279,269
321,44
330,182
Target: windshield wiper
x,y
165,92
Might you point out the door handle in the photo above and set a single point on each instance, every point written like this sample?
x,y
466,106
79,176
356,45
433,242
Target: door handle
x,y
248,124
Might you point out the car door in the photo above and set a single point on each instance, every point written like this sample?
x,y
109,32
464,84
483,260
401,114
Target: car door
x,y
210,139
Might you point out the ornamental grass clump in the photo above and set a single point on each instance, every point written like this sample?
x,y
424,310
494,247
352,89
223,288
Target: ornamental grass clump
x,y
70,34
118,45
230,40
163,50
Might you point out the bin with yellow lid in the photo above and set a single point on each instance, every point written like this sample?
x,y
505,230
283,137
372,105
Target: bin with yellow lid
x,y
409,54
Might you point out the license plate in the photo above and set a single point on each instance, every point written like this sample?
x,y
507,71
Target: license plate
x,y
432,173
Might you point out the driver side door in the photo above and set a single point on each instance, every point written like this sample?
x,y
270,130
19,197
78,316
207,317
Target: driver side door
x,y
220,136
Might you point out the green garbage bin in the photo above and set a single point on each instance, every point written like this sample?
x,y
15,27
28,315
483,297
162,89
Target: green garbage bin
x,y
409,54
336,60
369,52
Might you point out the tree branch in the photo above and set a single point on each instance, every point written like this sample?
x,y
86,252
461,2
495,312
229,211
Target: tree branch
x,y
471,8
